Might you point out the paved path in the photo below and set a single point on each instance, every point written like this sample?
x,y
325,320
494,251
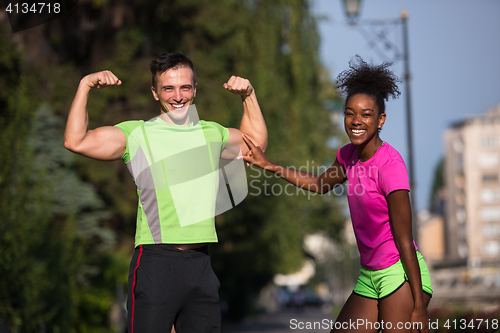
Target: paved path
x,y
287,321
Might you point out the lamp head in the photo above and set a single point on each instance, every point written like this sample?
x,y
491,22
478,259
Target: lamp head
x,y
352,8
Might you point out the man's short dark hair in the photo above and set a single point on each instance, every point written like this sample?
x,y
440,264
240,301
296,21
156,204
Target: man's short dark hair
x,y
168,61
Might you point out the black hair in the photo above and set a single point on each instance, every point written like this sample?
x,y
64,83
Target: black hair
x,y
166,61
376,81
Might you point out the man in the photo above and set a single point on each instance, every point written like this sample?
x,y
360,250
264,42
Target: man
x,y
174,161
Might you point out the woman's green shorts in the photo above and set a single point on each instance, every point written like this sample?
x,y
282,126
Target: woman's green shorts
x,y
384,282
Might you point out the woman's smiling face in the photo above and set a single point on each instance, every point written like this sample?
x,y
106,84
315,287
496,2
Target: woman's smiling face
x,y
362,120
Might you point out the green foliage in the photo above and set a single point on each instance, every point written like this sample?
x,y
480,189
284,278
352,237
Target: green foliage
x,y
78,212
32,276
438,183
50,236
54,251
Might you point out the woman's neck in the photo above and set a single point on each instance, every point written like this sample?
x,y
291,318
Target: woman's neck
x,y
366,151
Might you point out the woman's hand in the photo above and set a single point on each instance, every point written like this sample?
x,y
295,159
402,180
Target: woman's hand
x,y
255,155
419,320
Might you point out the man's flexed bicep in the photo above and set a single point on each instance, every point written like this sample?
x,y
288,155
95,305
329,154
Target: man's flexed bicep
x,y
252,122
236,146
103,143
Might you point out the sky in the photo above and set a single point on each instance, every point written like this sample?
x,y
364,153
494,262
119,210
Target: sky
x,y
454,56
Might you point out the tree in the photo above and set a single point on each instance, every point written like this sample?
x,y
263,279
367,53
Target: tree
x,y
274,43
51,239
438,184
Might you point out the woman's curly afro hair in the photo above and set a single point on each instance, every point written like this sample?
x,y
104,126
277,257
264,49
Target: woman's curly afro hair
x,y
375,81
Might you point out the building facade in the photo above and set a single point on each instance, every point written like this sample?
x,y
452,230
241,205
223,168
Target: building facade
x,y
472,174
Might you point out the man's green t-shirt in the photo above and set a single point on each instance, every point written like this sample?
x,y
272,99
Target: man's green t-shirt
x,y
176,170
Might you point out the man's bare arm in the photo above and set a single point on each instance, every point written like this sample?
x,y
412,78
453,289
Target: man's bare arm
x,y
104,143
252,121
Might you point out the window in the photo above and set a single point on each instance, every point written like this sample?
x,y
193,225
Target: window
x,y
489,195
489,160
459,180
462,250
491,230
490,177
490,214
461,215
458,145
490,142
491,248
460,199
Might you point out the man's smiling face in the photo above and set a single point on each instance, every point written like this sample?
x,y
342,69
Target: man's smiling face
x,y
175,90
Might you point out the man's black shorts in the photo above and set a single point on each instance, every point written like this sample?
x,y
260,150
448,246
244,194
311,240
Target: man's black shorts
x,y
170,286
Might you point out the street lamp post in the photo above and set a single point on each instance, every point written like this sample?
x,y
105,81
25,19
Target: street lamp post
x,y
352,9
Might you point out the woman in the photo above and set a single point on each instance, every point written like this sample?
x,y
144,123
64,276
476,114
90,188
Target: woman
x,y
394,287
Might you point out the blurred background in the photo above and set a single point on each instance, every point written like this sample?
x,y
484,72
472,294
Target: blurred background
x,y
67,223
